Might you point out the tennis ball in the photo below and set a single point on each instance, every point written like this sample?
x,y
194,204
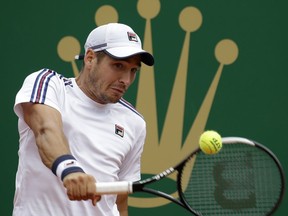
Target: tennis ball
x,y
210,142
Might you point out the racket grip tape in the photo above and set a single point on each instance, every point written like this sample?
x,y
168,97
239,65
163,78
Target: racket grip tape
x,y
122,187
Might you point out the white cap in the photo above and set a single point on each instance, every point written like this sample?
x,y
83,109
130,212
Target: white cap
x,y
118,41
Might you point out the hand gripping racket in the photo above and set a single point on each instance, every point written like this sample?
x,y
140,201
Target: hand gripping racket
x,y
244,178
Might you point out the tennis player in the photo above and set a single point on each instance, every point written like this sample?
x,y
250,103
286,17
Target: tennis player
x,y
76,131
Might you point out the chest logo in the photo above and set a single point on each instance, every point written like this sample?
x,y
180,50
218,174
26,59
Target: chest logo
x,y
119,130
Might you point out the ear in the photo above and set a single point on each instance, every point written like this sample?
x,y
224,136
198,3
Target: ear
x,y
89,56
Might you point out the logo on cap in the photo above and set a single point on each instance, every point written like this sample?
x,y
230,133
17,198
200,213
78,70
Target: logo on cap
x,y
132,36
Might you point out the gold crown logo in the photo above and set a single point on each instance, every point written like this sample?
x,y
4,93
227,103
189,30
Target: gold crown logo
x,y
169,148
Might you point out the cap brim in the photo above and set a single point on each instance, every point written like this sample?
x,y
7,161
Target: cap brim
x,y
125,52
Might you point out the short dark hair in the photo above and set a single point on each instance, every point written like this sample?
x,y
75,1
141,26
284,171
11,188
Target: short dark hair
x,y
100,55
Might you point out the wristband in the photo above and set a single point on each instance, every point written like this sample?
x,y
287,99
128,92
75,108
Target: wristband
x,y
65,165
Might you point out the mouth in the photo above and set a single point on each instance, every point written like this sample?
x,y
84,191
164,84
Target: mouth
x,y
118,90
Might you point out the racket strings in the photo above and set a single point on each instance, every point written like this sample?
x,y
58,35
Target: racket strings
x,y
239,180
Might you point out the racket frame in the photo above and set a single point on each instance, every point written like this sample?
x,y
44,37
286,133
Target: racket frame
x,y
139,186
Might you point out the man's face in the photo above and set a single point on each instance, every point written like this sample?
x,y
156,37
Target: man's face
x,y
109,78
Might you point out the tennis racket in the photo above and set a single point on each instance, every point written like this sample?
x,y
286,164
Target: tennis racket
x,y
244,178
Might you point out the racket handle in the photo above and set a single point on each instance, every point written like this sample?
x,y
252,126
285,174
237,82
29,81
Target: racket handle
x,y
122,187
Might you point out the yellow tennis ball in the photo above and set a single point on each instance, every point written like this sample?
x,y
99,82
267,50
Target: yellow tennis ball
x,y
210,142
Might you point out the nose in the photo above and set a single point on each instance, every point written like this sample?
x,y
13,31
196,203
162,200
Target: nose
x,y
126,78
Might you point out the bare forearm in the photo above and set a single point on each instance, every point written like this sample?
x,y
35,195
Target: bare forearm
x,y
122,204
51,144
46,125
124,213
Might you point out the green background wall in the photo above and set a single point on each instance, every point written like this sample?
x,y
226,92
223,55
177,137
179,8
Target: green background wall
x,y
251,99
